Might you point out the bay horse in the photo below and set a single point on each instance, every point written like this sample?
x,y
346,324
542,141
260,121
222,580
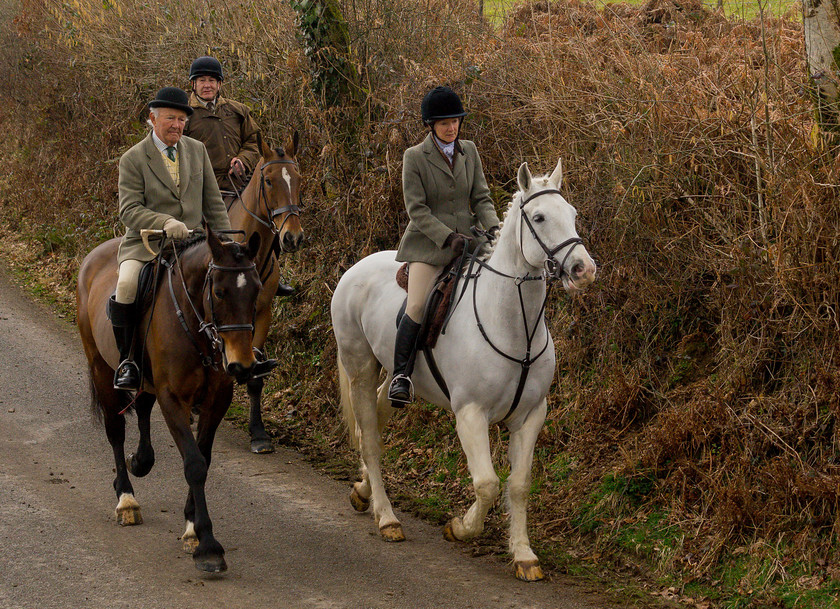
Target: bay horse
x,y
495,359
197,332
270,206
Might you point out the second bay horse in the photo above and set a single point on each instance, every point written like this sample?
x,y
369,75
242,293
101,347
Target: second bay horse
x,y
269,206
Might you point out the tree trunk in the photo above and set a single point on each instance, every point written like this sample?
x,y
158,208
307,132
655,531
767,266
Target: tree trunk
x,y
821,19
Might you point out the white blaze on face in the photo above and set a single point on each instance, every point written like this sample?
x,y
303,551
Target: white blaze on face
x,y
287,176
240,280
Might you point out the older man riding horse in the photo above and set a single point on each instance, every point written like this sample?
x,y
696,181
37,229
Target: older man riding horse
x,y
191,336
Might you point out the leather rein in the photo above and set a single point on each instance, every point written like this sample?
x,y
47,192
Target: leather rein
x,y
552,271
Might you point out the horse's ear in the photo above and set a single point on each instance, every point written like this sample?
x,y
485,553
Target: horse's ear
x,y
265,149
556,177
523,177
292,145
254,245
215,244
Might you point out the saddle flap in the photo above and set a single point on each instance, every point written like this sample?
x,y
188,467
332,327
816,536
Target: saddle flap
x,y
437,306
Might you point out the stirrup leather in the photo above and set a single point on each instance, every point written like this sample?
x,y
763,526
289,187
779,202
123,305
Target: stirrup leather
x,y
392,387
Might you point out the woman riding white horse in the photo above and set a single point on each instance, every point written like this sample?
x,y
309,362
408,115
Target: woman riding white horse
x,y
444,191
495,359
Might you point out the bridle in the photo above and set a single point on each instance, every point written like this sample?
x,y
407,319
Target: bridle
x,y
552,269
211,330
268,222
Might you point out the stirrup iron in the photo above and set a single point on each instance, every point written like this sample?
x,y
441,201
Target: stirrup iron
x,y
400,377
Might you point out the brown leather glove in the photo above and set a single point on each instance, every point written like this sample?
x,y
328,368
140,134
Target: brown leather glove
x,y
456,242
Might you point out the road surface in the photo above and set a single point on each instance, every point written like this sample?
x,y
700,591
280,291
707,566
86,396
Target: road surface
x,y
291,536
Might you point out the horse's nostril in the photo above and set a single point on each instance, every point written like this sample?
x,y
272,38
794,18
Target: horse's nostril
x,y
577,270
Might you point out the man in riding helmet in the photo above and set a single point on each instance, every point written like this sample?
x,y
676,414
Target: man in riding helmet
x,y
165,182
228,131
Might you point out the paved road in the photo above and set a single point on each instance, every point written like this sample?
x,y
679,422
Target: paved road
x,y
291,537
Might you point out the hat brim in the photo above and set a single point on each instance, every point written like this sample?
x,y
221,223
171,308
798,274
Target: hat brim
x,y
165,104
215,75
443,116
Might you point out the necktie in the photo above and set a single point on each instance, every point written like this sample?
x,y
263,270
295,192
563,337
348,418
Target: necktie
x,y
170,152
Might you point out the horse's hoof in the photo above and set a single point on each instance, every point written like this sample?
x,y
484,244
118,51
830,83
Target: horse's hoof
x,y
529,571
392,532
211,564
128,511
449,532
262,447
190,545
359,503
130,516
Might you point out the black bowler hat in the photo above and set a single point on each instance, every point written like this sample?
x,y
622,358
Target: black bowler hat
x,y
172,97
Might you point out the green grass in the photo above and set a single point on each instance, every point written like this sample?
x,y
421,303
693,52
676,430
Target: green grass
x,y
495,10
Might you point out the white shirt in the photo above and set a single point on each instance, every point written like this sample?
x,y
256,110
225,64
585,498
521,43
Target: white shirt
x,y
447,149
161,145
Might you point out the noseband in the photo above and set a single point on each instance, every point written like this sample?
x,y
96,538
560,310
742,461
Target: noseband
x,y
551,267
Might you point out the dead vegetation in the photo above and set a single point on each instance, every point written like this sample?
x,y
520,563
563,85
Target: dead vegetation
x,y
694,415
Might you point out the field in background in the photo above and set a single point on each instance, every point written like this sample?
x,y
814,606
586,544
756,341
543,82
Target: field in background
x,y
496,10
692,441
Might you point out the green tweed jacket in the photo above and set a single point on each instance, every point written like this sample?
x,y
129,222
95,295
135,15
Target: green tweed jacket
x,y
440,200
149,197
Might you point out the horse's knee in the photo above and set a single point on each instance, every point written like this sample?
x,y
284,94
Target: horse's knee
x,y
195,470
518,488
487,488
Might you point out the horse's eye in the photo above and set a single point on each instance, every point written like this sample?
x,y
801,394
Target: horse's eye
x,y
538,218
267,182
219,293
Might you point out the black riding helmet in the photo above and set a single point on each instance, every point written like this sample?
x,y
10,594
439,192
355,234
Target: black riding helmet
x,y
440,103
206,66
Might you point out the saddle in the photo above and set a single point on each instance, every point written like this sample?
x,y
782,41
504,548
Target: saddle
x,y
437,304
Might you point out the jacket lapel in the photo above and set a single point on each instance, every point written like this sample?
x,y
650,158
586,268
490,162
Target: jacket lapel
x,y
435,157
458,163
184,168
157,166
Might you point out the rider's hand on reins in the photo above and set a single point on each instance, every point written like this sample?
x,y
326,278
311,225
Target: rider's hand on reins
x,y
175,229
237,167
456,242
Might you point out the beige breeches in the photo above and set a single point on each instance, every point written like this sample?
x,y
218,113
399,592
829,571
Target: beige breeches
x,y
127,281
421,280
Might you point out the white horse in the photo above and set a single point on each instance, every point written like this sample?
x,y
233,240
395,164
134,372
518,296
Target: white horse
x,y
496,357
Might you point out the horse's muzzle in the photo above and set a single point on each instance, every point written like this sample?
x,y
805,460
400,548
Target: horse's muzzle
x,y
291,242
241,373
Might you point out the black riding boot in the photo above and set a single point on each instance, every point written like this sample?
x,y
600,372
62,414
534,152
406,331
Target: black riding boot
x,y
127,375
405,347
284,289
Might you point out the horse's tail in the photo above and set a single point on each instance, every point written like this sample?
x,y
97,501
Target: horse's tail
x,y
347,406
95,403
